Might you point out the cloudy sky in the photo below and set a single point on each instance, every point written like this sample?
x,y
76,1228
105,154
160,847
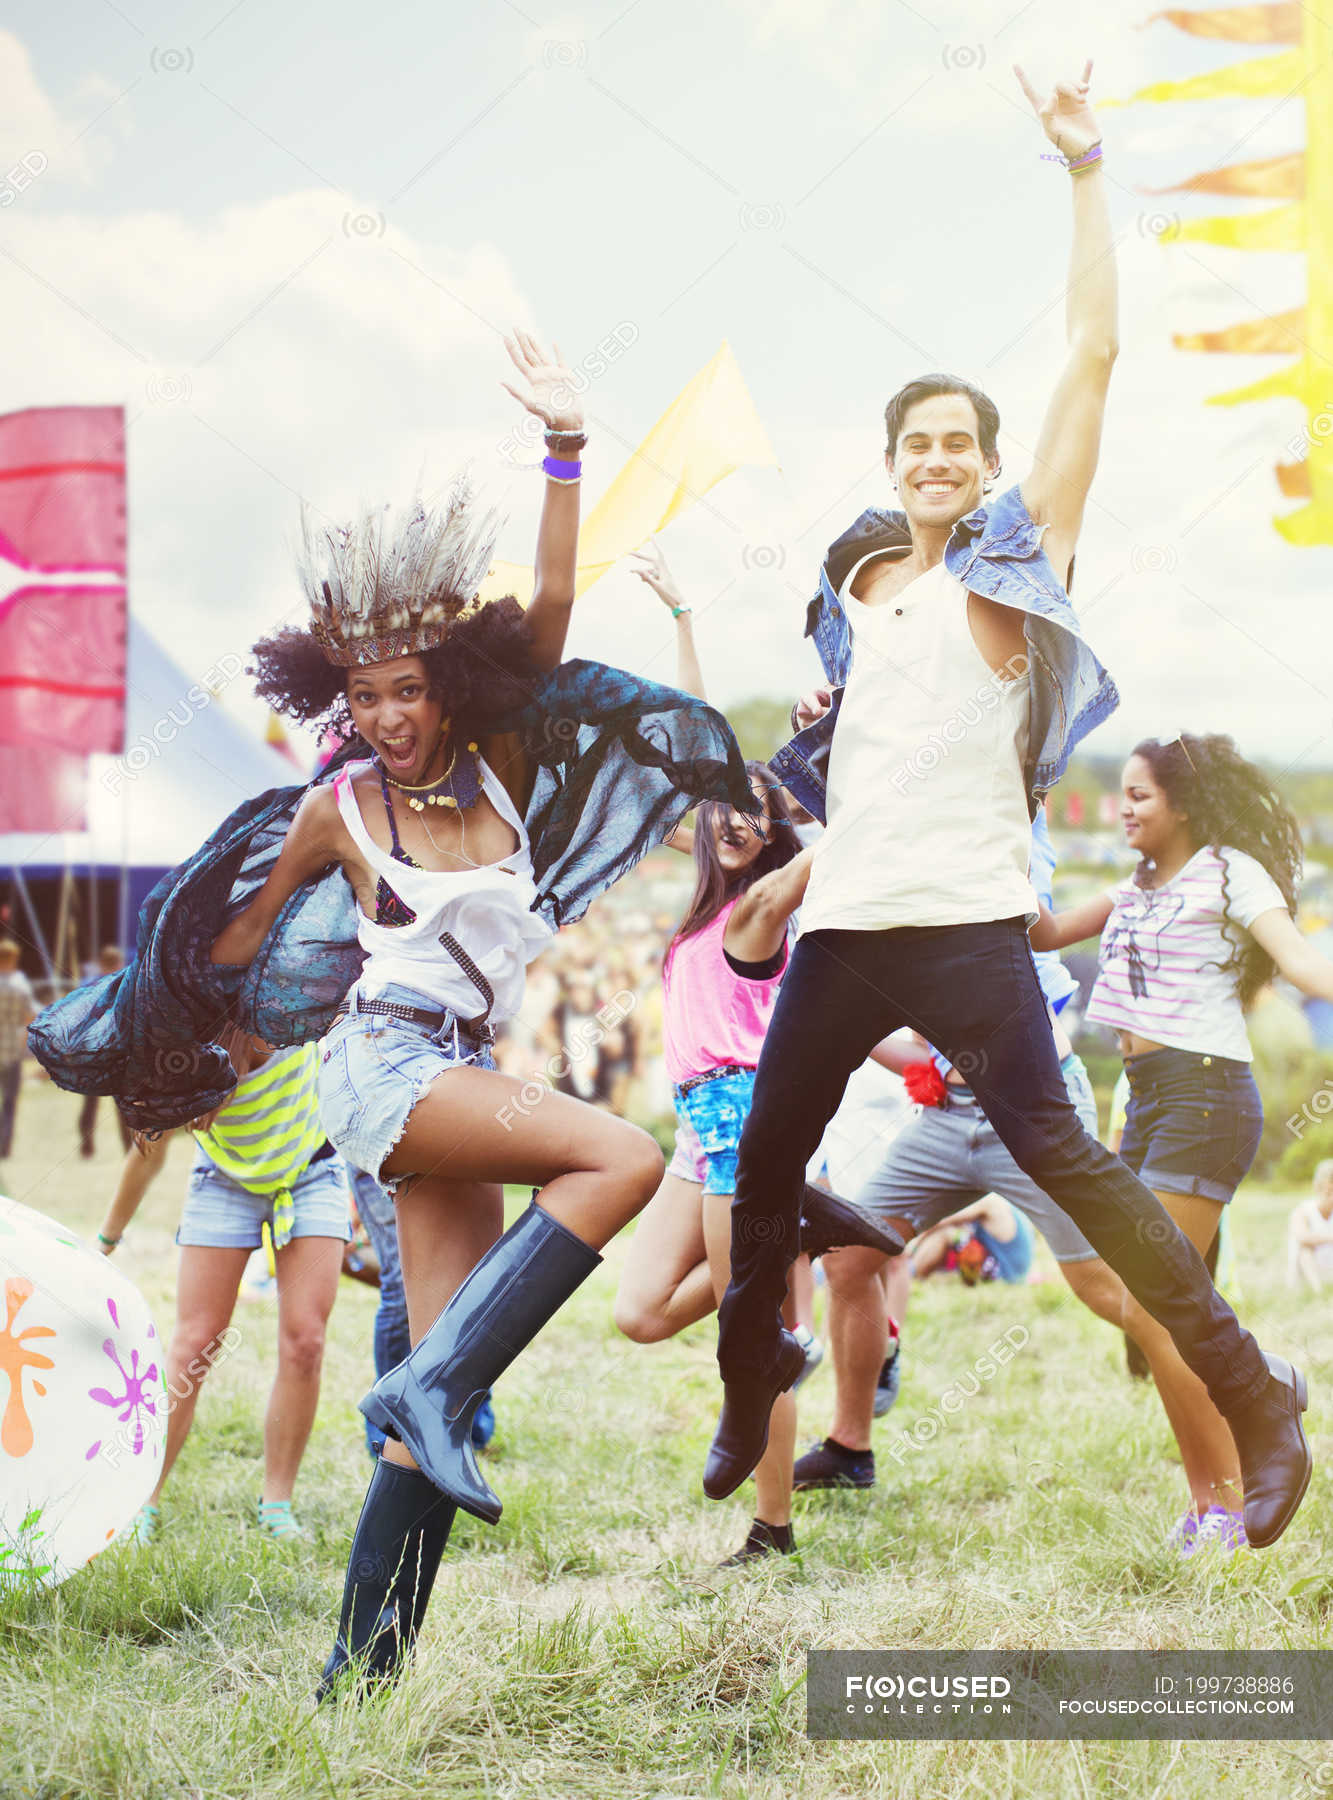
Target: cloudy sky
x,y
287,238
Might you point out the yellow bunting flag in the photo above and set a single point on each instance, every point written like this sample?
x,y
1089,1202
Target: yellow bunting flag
x,y
1282,74
1275,178
710,429
1304,225
1276,24
1283,334
1280,228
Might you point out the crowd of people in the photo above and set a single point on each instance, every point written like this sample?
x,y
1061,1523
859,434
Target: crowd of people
x,y
322,984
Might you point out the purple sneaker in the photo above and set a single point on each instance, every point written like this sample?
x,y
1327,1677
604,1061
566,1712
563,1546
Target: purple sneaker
x,y
1221,1530
1184,1533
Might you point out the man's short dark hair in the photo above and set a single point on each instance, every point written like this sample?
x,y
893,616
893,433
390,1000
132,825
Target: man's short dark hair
x,y
926,387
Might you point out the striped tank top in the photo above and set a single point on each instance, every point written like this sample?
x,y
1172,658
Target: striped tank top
x,y
266,1135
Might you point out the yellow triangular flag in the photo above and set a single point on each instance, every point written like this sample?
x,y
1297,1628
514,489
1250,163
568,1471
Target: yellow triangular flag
x,y
1278,23
1281,335
1273,178
1255,79
710,429
1289,383
1277,228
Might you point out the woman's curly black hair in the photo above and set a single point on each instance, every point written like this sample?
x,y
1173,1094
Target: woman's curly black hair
x,y
484,668
1229,803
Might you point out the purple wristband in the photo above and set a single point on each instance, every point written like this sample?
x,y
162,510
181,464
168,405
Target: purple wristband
x,y
563,471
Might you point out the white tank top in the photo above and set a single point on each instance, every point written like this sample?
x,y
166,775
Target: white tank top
x,y
487,909
927,815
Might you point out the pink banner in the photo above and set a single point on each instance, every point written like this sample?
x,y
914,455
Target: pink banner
x,y
42,790
62,629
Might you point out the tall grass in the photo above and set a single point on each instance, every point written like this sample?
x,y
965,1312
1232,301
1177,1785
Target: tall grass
x,y
586,1645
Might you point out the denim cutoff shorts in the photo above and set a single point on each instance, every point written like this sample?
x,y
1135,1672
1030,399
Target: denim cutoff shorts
x,y
219,1214
716,1111
1193,1122
688,1162
373,1069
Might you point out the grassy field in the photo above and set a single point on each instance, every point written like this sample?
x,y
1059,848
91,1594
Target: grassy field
x,y
583,1646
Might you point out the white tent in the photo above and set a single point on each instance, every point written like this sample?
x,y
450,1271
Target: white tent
x,y
186,765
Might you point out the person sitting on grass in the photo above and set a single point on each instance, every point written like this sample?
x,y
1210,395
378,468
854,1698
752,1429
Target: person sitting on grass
x,y
1310,1233
262,1157
987,1241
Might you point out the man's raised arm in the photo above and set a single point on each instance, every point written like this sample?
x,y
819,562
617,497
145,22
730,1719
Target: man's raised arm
x,y
1066,458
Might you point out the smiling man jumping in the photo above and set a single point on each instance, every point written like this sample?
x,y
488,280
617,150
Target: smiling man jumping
x,y
969,686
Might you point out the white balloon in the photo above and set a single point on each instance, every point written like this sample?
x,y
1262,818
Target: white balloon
x,y
84,1397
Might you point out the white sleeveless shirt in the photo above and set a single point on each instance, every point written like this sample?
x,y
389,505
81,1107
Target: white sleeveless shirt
x,y
927,813
488,910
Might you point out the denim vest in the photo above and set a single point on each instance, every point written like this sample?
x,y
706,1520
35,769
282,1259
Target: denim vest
x,y
995,551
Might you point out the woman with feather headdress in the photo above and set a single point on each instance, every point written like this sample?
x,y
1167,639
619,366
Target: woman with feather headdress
x,y
390,909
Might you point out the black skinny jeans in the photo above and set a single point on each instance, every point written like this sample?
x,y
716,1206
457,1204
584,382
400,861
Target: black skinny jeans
x,y
973,992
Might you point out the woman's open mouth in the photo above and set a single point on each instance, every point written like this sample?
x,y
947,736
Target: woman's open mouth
x,y
399,753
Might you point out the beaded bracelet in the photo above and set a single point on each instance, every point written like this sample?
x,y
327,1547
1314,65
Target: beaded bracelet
x,y
1087,160
561,471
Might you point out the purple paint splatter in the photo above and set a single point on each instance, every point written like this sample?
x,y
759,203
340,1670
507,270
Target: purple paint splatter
x,y
135,1400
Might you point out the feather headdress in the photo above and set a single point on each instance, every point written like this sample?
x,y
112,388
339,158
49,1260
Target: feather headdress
x,y
383,586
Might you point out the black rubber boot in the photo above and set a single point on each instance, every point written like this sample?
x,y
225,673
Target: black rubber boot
x,y
828,1223
429,1400
396,1550
1275,1460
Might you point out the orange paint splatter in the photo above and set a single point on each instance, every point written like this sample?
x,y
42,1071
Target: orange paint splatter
x,y
16,1433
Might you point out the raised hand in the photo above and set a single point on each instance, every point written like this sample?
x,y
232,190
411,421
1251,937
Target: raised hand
x,y
658,576
1066,117
549,386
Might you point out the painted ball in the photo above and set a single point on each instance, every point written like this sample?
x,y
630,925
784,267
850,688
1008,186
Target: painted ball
x,y
83,1398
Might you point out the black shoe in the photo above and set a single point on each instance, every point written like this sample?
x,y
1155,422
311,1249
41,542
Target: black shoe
x,y
742,1430
828,1223
430,1400
396,1550
890,1380
764,1540
833,1465
1275,1460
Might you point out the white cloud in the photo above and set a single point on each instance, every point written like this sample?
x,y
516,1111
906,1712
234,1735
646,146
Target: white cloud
x,y
264,355
33,126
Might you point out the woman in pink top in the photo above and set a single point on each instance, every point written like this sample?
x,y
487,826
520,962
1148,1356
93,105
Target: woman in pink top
x,y
1204,921
720,981
720,978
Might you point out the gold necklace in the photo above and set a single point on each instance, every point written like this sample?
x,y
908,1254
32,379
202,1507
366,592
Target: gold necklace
x,y
426,787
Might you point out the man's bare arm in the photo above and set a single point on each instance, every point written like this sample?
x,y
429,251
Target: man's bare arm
x,y
1056,490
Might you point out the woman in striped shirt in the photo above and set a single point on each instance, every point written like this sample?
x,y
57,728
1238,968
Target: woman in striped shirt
x,y
1187,941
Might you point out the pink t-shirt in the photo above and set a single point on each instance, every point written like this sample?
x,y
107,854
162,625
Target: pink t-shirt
x,y
712,1016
